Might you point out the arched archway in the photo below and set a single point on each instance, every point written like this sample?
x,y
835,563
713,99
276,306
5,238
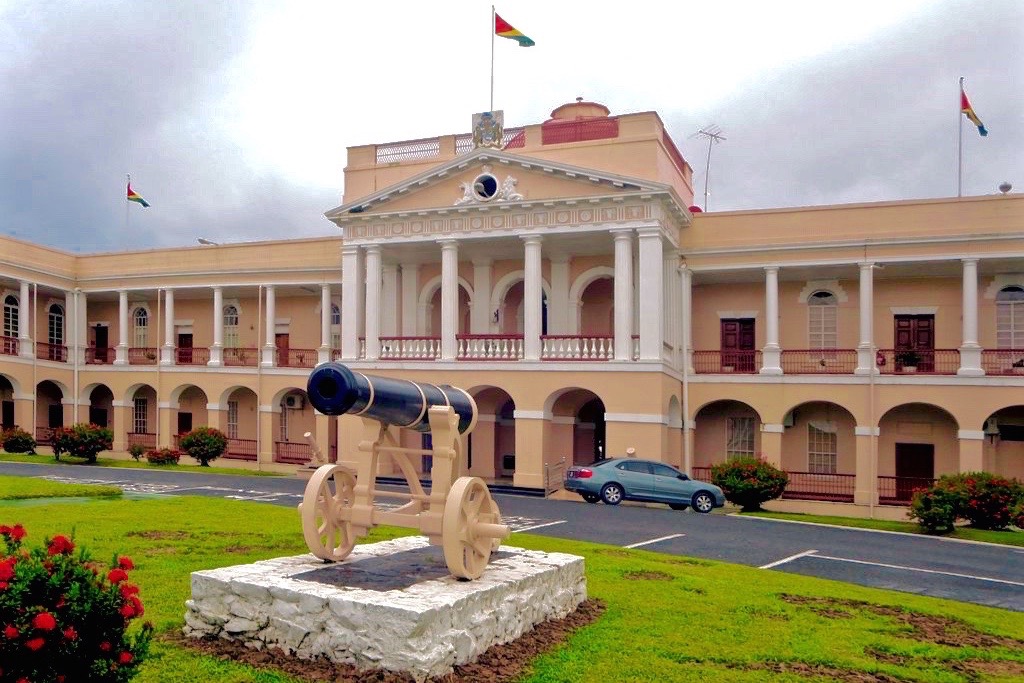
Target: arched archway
x,y
189,405
595,310
1003,447
49,409
491,451
101,405
7,392
507,302
577,426
142,416
241,423
295,418
917,442
723,430
428,319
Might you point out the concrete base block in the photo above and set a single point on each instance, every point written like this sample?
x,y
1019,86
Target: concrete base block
x,y
390,605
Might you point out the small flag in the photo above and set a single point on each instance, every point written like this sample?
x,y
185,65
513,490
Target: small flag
x,y
134,196
506,30
967,110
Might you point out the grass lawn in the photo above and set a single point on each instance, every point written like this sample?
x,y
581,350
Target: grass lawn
x,y
21,488
183,466
668,618
1010,537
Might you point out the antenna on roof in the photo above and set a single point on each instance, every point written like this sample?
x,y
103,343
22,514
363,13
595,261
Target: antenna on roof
x,y
714,135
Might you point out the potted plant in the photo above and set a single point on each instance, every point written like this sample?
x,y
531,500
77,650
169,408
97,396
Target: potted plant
x,y
908,360
1018,366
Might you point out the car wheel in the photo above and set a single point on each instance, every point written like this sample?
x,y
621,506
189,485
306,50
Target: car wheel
x,y
591,498
678,506
703,502
612,494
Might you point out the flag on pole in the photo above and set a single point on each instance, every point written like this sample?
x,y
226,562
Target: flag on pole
x,y
967,110
506,30
134,196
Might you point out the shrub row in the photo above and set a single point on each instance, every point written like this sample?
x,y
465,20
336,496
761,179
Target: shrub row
x,y
17,440
982,499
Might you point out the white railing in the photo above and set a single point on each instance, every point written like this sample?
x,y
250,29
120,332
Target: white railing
x,y
410,348
490,346
571,347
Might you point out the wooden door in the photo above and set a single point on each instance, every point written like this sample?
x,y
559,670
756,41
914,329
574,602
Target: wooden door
x,y
915,333
98,416
915,468
185,349
55,416
102,340
184,423
737,344
281,342
7,415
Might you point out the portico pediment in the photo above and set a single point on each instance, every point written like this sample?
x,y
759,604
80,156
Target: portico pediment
x,y
492,178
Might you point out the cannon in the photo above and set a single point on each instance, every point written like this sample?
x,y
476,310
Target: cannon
x,y
458,513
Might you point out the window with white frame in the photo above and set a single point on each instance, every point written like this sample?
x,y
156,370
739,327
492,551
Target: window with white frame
x,y
822,317
55,324
284,423
335,327
821,449
1010,318
739,437
141,319
232,419
231,327
10,316
140,415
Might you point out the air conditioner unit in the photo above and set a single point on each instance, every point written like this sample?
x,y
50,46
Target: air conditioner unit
x,y
789,419
293,401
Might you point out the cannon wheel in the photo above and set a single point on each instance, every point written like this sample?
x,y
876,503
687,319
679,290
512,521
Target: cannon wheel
x,y
327,535
465,551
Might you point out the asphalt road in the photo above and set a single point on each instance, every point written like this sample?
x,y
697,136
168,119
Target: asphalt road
x,y
970,572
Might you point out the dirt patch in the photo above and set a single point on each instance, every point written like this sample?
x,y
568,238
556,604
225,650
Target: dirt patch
x,y
238,549
931,628
971,669
615,552
821,672
160,535
498,664
647,576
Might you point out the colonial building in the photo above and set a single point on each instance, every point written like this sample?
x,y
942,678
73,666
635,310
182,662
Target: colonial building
x,y
556,271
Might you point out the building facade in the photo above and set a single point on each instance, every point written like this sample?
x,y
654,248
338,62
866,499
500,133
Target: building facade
x,y
557,272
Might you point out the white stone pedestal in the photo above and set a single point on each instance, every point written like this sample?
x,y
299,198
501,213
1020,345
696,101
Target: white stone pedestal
x,y
390,605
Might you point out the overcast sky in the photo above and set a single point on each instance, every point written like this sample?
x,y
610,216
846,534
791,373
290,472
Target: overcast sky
x,y
233,117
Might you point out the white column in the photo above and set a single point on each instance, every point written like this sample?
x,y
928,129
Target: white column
x,y
771,354
82,311
449,298
217,350
324,352
167,352
558,304
686,276
270,330
866,347
25,322
970,350
480,319
533,293
71,321
652,289
410,294
121,353
623,294
373,287
389,299
350,294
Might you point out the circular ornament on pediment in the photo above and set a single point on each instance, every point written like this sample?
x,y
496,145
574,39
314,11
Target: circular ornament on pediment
x,y
485,187
562,216
476,222
586,215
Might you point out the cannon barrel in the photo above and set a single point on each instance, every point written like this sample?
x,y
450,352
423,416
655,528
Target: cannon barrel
x,y
335,389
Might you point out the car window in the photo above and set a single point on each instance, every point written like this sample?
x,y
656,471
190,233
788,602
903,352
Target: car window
x,y
665,471
633,466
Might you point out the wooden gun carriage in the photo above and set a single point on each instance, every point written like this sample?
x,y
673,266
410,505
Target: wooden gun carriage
x,y
457,513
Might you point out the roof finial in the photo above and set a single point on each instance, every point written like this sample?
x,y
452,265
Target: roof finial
x,y
580,98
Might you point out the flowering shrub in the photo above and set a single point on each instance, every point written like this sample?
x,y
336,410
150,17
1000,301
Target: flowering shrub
x,y
983,499
204,444
1017,514
748,482
136,450
17,440
81,440
163,456
64,617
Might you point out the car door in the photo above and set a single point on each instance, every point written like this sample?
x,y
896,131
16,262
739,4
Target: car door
x,y
635,476
668,487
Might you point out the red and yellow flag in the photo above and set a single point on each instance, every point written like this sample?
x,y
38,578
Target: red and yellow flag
x,y
506,30
967,110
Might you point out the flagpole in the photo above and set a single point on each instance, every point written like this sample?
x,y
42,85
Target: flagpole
x,y
960,141
492,58
127,209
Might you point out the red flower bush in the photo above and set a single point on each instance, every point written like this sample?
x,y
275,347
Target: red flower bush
x,y
63,618
748,482
984,500
81,440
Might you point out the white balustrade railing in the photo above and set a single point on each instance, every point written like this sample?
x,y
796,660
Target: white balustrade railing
x,y
490,347
410,348
566,347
